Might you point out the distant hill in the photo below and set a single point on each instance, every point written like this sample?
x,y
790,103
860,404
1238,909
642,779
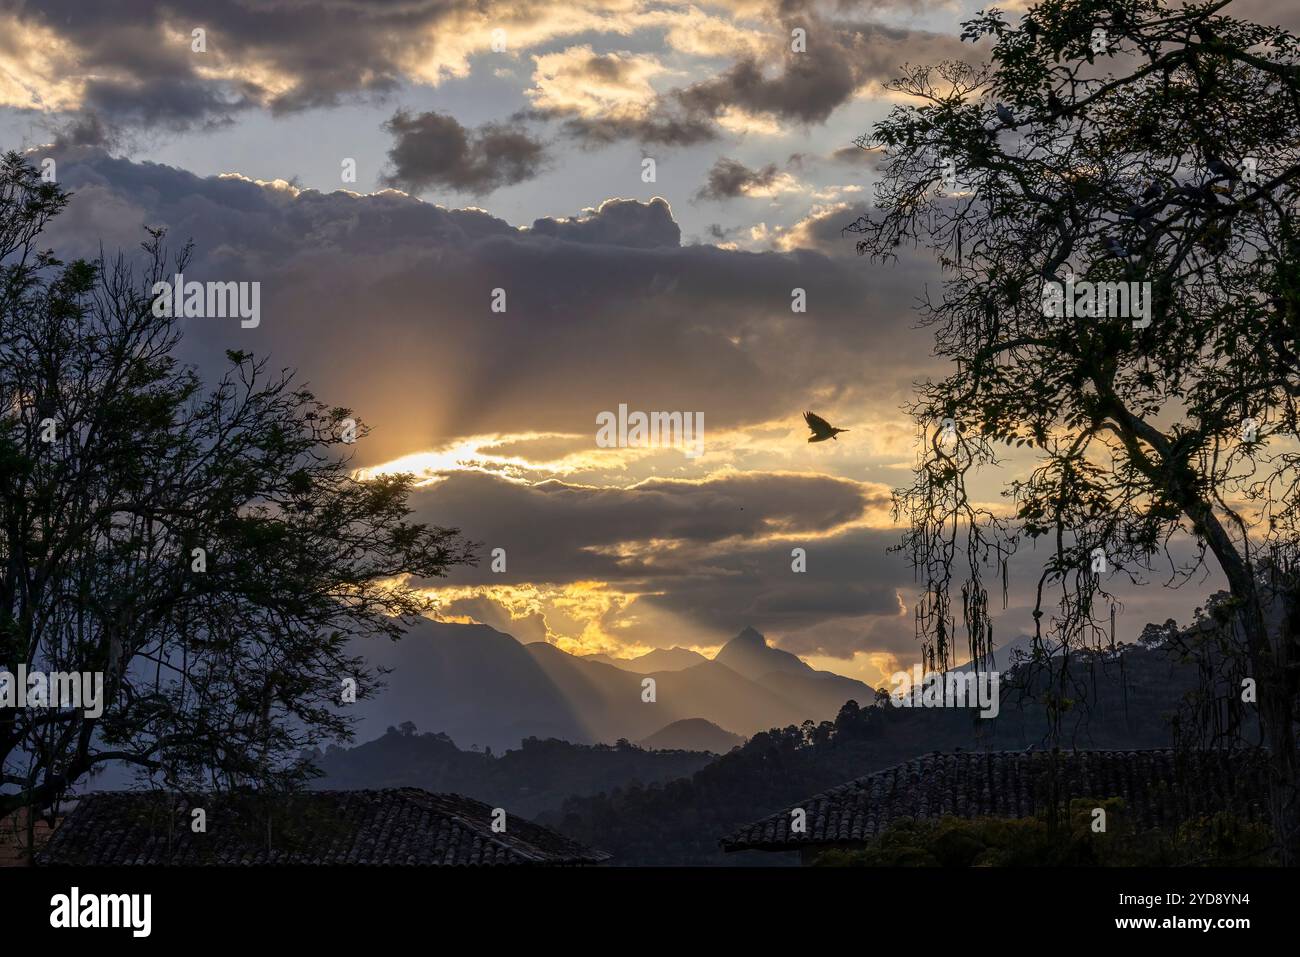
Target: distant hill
x,y
692,734
661,659
537,776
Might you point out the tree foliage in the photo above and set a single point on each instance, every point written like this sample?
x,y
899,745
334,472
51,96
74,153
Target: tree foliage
x,y
116,464
1124,141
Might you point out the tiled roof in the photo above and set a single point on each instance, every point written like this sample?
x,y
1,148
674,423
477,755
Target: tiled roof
x,y
1158,787
393,826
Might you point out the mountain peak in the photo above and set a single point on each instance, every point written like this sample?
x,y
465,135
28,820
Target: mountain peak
x,y
750,655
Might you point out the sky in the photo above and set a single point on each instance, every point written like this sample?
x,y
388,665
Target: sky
x,y
500,153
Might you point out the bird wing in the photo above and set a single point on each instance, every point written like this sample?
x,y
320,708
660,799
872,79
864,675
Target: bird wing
x,y
816,423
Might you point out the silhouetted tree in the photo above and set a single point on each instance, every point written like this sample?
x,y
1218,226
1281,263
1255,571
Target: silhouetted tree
x,y
116,464
1121,141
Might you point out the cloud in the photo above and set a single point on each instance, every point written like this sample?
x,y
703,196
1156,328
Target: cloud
x,y
85,129
751,96
807,89
659,127
525,625
660,564
855,155
823,229
710,555
577,81
605,532
840,60
385,303
618,222
134,64
605,98
697,33
433,150
729,178
135,61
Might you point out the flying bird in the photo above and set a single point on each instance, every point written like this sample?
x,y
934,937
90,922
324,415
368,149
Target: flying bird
x,y
821,429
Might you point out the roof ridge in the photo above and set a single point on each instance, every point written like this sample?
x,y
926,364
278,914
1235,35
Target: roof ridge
x,y
511,840
1009,751
834,797
402,825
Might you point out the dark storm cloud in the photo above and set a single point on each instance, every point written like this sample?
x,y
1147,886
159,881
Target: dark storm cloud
x,y
551,529
433,150
851,576
806,90
722,570
173,103
840,59
693,554
618,222
381,303
132,62
729,178
140,67
567,82
85,129
660,128
824,229
384,303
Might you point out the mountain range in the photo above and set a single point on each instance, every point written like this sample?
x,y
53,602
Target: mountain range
x,y
628,799
661,659
482,687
